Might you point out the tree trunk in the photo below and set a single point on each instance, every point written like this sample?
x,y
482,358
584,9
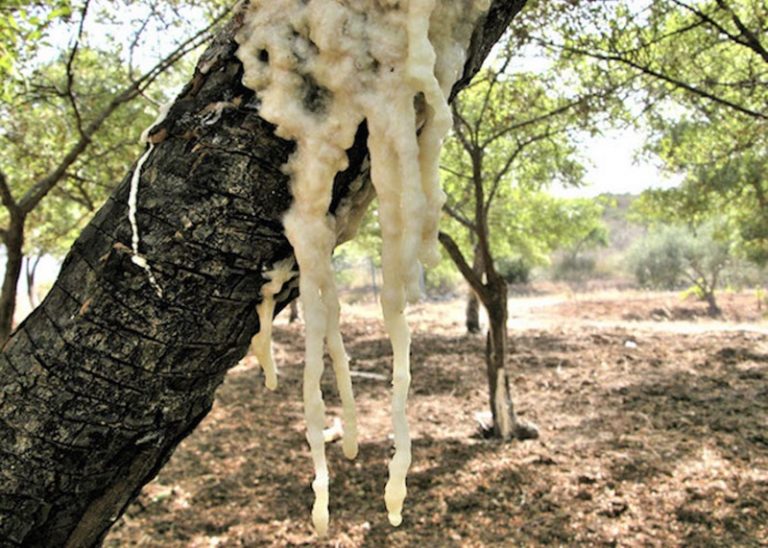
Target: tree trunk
x,y
473,312
502,409
14,245
294,312
104,379
473,302
506,424
713,309
30,271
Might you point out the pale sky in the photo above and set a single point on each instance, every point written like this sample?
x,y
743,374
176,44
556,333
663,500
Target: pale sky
x,y
614,168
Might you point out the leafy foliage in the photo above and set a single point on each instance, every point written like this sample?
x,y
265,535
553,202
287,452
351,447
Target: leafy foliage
x,y
523,138
66,69
40,126
24,27
658,260
673,255
67,64
695,71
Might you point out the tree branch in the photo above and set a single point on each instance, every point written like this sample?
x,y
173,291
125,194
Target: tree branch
x,y
511,158
458,121
69,91
656,74
42,187
472,278
454,173
750,38
493,79
746,37
6,196
530,121
458,217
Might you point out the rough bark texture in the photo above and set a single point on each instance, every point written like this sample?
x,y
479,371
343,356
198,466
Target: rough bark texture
x,y
105,378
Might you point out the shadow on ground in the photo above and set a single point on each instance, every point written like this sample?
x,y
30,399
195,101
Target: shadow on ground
x,y
646,438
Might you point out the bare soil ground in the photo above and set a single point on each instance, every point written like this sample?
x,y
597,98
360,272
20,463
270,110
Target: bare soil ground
x,y
736,307
649,437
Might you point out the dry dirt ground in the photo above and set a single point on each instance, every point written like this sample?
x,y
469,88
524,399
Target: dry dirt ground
x,y
648,437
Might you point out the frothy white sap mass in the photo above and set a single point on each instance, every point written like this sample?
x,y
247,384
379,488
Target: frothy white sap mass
x,y
321,68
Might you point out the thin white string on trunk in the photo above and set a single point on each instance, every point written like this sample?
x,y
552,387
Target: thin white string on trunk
x,y
133,200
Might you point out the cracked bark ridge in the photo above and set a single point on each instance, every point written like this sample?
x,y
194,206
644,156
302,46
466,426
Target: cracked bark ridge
x,y
104,379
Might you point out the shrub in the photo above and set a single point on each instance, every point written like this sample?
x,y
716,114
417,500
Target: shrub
x,y
658,260
574,268
515,270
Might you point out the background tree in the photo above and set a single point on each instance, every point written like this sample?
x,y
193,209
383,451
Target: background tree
x,y
55,100
672,254
723,165
696,74
510,140
703,54
23,25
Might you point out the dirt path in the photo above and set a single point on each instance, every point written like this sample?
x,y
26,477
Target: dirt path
x,y
595,311
605,310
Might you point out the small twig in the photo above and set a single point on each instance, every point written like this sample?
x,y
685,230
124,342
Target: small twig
x,y
69,91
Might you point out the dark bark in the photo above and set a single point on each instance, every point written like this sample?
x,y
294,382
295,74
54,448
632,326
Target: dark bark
x,y
30,272
294,312
712,307
472,321
473,302
508,426
14,245
105,378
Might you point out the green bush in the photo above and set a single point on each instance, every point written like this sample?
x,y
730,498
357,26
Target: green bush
x,y
515,270
671,255
658,261
574,268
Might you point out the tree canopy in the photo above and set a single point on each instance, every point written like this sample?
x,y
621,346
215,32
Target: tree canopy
x,y
695,73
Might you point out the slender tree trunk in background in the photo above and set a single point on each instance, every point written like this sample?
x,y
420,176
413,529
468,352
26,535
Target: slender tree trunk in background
x,y
506,423
14,246
104,379
493,296
473,302
495,360
473,312
294,311
30,271
713,309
